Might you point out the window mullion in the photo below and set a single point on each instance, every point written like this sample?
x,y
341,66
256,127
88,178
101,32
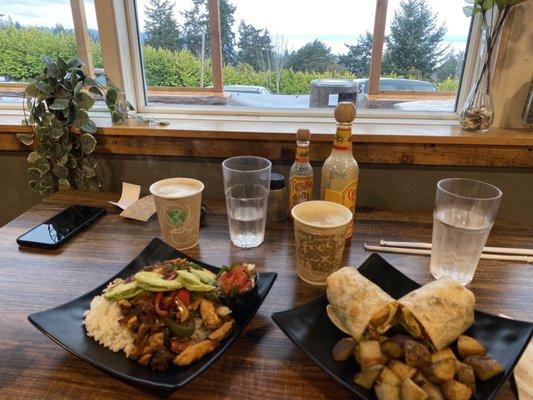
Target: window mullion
x,y
377,46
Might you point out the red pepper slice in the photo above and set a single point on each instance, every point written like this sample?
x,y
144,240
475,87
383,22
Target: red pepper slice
x,y
184,296
157,304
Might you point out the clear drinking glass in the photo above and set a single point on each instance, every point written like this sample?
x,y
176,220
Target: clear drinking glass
x,y
246,186
464,212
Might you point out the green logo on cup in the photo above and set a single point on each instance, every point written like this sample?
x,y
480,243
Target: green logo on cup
x,y
177,217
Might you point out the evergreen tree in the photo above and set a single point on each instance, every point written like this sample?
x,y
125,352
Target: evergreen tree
x,y
255,47
58,29
197,21
314,56
451,66
161,29
413,46
358,58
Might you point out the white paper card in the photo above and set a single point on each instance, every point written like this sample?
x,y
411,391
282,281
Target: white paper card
x,y
141,210
130,194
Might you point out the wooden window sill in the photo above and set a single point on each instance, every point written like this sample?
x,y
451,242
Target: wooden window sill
x,y
375,141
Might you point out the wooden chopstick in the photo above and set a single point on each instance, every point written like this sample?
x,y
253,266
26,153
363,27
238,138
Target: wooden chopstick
x,y
501,250
427,252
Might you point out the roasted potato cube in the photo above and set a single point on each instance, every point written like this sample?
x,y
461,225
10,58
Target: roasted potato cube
x,y
416,354
443,355
402,370
442,371
465,374
392,349
389,377
344,349
387,392
453,390
411,391
468,346
484,367
419,378
368,354
367,378
433,391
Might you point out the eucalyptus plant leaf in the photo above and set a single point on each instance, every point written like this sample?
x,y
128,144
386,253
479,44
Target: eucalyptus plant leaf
x,y
47,59
52,71
164,123
26,138
60,171
47,181
32,90
33,156
84,100
78,87
34,173
42,165
111,95
90,82
115,116
61,66
79,183
74,63
89,161
95,90
81,118
89,126
59,104
88,143
32,184
63,184
88,171
44,88
94,186
63,159
71,163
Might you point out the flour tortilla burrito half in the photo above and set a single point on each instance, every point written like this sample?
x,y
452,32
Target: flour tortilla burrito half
x,y
358,306
438,312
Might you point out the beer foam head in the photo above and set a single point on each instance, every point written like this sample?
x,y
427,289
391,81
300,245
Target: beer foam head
x,y
176,188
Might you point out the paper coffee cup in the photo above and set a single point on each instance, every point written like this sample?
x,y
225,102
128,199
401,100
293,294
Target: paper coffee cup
x,y
178,202
319,231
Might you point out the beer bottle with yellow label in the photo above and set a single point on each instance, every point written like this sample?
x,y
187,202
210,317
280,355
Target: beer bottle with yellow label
x,y
301,174
340,171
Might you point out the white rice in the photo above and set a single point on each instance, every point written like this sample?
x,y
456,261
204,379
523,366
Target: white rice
x,y
102,324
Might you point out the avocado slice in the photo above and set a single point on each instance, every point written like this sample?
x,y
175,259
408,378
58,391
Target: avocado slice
x,y
193,283
155,283
204,275
123,291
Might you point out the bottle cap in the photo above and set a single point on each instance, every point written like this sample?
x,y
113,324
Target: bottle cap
x,y
303,135
277,181
345,112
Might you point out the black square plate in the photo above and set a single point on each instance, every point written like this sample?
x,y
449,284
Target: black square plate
x,y
309,327
63,325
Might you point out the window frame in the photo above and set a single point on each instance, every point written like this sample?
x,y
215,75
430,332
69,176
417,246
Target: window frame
x,y
121,50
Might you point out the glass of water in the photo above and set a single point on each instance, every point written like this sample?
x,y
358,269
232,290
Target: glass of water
x,y
246,185
465,210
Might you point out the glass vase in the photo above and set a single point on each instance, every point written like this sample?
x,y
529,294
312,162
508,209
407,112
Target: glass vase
x,y
477,113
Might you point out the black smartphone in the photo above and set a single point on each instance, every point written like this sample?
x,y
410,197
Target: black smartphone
x,y
61,227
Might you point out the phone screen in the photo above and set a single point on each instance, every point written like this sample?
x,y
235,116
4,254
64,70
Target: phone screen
x,y
58,228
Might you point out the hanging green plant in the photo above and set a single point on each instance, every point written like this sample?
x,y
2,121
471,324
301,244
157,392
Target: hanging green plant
x,y
56,106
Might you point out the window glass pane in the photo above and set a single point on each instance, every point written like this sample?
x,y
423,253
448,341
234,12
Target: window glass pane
x,y
300,54
30,29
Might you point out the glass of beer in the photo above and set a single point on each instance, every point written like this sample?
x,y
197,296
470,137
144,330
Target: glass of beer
x,y
319,231
465,210
246,185
178,203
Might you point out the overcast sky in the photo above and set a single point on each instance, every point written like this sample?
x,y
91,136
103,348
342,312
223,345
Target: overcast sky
x,y
335,22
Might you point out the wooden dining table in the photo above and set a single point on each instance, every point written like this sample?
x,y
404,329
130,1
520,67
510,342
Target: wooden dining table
x,y
262,363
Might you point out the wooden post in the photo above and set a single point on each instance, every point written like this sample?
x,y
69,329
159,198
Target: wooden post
x,y
216,46
377,46
83,41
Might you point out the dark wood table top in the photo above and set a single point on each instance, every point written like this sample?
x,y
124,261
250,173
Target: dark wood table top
x,y
262,362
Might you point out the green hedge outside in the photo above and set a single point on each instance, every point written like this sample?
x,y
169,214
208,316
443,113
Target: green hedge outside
x,y
22,49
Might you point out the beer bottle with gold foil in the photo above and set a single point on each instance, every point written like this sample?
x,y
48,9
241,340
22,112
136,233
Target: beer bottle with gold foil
x,y
340,171
301,174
